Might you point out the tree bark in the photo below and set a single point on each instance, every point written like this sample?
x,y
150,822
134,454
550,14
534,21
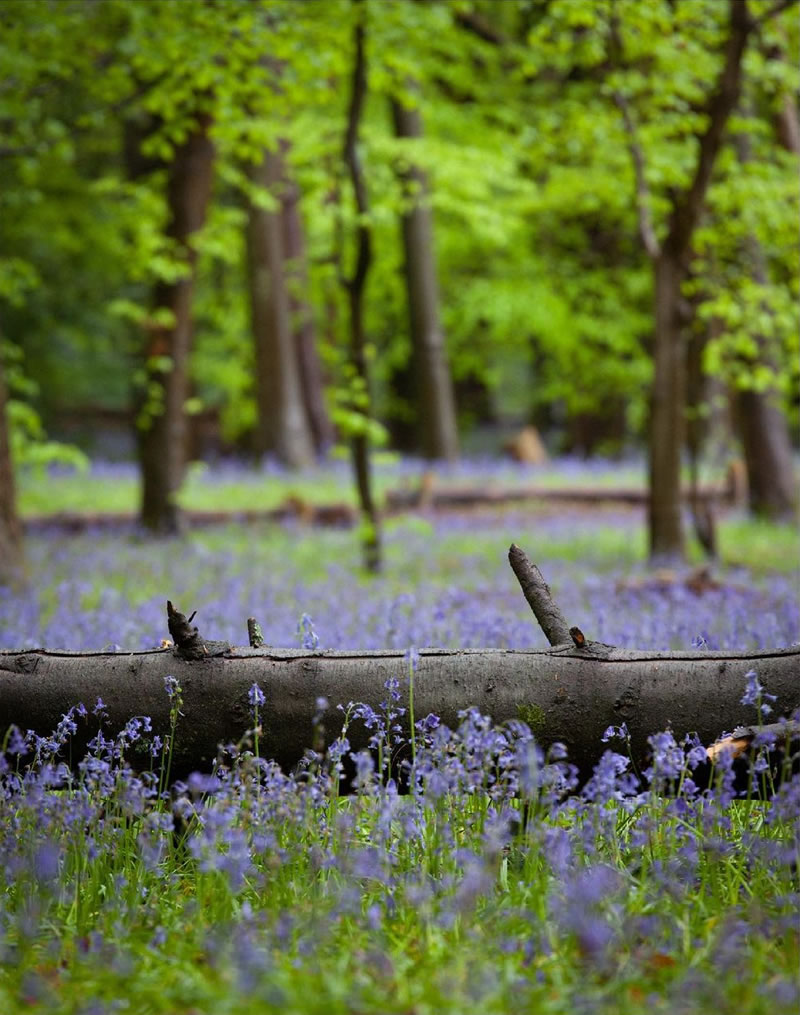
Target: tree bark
x,y
163,429
355,293
437,415
283,426
667,415
768,454
302,320
763,426
11,547
565,694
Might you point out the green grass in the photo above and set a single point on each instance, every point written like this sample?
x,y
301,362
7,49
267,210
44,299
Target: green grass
x,y
299,934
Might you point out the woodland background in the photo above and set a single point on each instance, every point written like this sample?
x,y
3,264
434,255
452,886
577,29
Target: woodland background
x,y
272,228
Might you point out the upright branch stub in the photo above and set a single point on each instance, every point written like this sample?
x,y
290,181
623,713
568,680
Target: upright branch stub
x,y
254,633
189,643
537,593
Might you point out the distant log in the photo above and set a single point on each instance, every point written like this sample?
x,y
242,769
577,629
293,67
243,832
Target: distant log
x,y
477,496
425,496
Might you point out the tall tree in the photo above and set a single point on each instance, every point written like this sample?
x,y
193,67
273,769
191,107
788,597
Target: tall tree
x,y
162,420
282,426
671,257
437,415
11,556
354,286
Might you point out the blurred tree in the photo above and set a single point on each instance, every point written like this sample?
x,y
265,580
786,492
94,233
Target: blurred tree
x,y
354,284
283,425
302,316
761,421
436,416
161,419
671,256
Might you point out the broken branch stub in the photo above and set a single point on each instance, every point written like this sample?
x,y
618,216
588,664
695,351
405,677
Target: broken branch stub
x,y
537,593
189,643
254,633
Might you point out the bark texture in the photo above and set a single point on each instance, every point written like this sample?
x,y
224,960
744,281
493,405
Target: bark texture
x,y
282,426
11,554
163,430
567,694
437,415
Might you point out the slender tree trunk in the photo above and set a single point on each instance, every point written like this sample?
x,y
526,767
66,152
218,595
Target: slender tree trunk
x,y
162,420
667,414
302,320
11,555
282,422
354,286
437,415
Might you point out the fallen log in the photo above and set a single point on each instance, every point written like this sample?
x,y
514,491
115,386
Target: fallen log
x,y
569,693
457,498
344,515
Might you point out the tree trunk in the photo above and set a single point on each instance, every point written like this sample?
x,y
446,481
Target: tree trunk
x,y
354,286
437,415
302,320
162,420
11,554
763,426
667,414
788,125
768,454
282,426
670,264
564,694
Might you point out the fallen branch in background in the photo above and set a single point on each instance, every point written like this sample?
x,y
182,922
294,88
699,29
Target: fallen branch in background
x,y
422,496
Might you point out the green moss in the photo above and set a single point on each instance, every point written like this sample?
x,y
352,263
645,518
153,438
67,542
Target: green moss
x,y
534,718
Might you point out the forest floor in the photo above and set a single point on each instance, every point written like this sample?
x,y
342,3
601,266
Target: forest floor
x,y
255,891
232,485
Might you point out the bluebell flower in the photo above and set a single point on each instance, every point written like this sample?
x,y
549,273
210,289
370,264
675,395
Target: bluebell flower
x,y
256,696
755,694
